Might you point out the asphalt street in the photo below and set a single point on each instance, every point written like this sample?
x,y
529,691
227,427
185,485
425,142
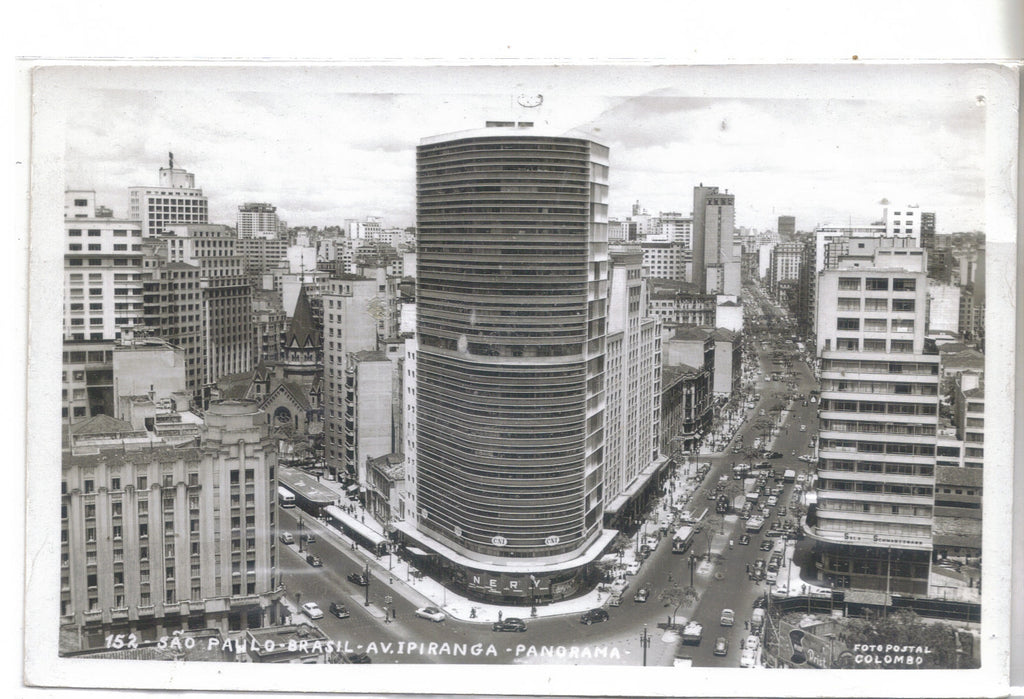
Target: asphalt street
x,y
722,584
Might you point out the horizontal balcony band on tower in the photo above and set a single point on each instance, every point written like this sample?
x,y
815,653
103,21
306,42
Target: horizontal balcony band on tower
x,y
509,484
874,477
437,181
512,273
543,514
433,457
483,196
496,319
496,144
519,238
429,169
880,519
517,448
835,394
831,494
928,414
535,247
555,370
528,529
571,224
877,437
837,428
513,396
528,151
509,338
440,290
520,423
527,404
528,206
518,393
481,505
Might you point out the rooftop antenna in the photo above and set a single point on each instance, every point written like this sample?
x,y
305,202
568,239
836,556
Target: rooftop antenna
x,y
170,159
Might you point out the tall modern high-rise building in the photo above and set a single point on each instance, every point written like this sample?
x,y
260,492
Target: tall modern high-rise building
x,y
225,301
879,419
258,219
715,267
360,312
175,200
102,299
632,382
787,226
511,310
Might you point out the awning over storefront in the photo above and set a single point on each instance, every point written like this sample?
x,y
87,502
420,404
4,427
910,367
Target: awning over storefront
x,y
642,479
511,565
355,525
416,551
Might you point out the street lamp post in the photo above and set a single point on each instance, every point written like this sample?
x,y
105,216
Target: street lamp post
x,y
693,563
645,642
300,534
366,600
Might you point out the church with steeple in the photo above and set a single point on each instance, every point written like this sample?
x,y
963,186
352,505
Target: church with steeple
x,y
289,390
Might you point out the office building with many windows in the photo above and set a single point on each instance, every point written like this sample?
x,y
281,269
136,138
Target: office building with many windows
x,y
176,199
512,294
875,487
158,537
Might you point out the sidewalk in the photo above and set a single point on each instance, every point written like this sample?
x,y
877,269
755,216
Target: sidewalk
x,y
423,591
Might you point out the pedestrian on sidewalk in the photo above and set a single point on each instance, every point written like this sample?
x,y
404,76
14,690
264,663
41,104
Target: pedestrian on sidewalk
x,y
499,615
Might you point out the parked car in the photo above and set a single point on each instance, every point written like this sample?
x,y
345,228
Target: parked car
x,y
358,578
593,616
728,617
314,560
432,613
748,658
744,539
633,568
766,545
752,643
721,646
287,538
642,594
803,428
339,610
312,610
510,624
308,538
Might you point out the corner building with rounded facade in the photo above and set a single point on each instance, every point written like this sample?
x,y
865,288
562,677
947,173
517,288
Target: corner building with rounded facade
x,y
512,284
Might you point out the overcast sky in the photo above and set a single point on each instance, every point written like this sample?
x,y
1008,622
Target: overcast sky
x,y
324,143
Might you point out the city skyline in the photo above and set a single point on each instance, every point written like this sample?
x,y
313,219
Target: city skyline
x,y
461,226
826,145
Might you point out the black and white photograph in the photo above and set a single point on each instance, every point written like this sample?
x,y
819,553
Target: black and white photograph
x,y
552,379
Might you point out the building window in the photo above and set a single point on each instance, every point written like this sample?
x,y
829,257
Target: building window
x,y
847,324
904,284
876,284
903,304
